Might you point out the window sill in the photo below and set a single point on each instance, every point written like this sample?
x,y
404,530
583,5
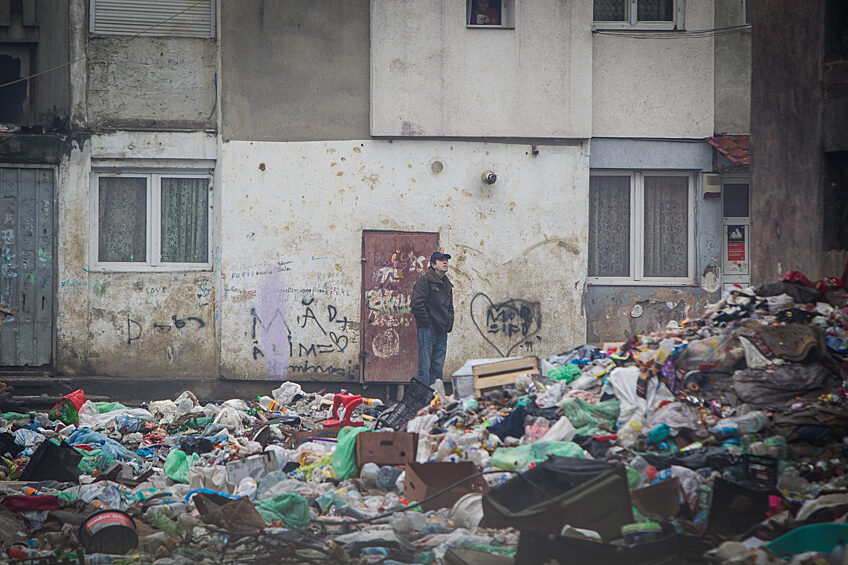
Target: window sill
x,y
627,28
127,268
469,26
610,281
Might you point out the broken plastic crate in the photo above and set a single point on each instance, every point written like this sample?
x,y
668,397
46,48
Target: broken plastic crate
x,y
562,490
416,396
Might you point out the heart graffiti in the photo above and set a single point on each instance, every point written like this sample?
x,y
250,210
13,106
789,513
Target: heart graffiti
x,y
508,324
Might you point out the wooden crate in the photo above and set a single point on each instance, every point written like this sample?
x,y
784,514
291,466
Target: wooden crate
x,y
500,373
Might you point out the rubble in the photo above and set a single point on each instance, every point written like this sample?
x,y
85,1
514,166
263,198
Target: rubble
x,y
720,439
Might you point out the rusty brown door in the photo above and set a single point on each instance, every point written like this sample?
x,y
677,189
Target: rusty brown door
x,y
391,263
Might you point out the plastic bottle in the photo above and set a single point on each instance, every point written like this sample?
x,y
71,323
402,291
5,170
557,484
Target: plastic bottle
x,y
536,430
103,559
372,402
268,403
629,433
752,422
447,446
837,554
665,349
663,475
165,524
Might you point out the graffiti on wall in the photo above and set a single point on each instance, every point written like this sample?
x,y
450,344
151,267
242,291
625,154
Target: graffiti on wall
x,y
508,325
135,328
319,329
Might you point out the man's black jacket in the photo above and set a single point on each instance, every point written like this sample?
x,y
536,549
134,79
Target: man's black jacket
x,y
432,302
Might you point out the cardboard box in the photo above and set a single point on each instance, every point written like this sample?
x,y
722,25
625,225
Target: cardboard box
x,y
296,438
386,448
426,479
256,466
500,373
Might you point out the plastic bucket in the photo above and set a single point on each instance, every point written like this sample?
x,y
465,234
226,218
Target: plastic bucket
x,y
468,511
812,537
108,531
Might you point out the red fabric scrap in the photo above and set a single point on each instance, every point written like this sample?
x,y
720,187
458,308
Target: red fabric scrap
x,y
797,277
36,502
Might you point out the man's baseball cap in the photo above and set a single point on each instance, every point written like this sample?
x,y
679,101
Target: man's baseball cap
x,y
438,255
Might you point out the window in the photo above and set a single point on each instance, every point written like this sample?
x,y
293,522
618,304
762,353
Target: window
x,y
642,14
14,99
156,18
150,221
641,228
490,13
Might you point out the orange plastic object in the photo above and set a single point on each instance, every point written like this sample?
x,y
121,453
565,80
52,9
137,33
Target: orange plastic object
x,y
348,402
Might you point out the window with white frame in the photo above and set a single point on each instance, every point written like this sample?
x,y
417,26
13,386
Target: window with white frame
x,y
641,227
150,221
640,14
155,18
490,14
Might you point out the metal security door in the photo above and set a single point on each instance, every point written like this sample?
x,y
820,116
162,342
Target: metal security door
x,y
26,265
391,263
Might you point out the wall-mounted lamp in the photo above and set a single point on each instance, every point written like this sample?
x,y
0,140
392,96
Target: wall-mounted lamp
x,y
489,177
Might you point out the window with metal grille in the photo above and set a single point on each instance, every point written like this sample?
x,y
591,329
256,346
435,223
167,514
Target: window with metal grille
x,y
641,14
159,18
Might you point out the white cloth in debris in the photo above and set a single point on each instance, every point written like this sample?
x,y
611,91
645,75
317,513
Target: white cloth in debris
x,y
633,407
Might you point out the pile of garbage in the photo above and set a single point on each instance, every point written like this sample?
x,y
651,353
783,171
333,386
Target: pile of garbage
x,y
721,438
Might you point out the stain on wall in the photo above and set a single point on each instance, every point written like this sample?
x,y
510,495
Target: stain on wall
x,y
619,313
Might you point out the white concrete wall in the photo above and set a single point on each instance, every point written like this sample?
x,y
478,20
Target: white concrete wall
x,y
105,320
432,76
655,86
292,222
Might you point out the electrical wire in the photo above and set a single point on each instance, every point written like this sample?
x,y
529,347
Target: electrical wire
x,y
84,57
429,498
673,34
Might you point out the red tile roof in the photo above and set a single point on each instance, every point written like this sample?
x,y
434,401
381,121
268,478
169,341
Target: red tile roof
x,y
737,148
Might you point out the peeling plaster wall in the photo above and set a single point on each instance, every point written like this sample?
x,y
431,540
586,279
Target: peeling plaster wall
x,y
138,324
292,222
151,82
617,314
433,76
655,86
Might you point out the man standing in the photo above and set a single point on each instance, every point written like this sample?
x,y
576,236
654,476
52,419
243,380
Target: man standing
x,y
432,306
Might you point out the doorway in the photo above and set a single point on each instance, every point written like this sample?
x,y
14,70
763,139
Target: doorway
x,y
391,263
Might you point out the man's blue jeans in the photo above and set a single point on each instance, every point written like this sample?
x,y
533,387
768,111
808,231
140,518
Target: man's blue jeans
x,y
432,347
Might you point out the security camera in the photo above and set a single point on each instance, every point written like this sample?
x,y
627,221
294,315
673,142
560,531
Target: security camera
x,y
490,177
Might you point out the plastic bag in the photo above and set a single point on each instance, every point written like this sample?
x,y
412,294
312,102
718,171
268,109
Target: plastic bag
x,y
290,509
67,409
344,458
565,373
520,457
177,464
230,419
104,407
562,430
286,392
591,418
717,353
